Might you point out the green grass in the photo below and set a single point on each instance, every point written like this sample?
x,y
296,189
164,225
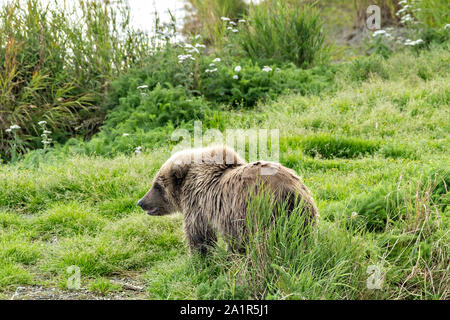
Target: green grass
x,y
374,153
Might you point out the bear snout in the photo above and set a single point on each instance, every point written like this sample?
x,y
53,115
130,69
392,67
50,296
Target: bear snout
x,y
141,203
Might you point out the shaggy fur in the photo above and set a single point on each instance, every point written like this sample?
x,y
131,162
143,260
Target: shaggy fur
x,y
211,186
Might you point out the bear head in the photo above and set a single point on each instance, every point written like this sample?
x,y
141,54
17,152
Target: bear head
x,y
164,197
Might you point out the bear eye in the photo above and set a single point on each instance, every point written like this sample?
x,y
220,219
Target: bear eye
x,y
158,187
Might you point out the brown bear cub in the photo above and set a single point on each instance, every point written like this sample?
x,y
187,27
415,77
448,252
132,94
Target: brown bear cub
x,y
211,187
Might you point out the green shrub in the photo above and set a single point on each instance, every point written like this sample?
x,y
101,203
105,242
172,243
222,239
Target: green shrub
x,y
161,68
145,119
255,83
278,31
251,85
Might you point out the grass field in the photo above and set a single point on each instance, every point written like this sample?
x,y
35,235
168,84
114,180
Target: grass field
x,y
374,153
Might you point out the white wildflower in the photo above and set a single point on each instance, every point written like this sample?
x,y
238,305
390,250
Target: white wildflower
x,y
229,28
125,135
232,23
42,123
216,60
409,42
242,20
197,36
199,45
406,18
237,69
8,130
267,69
382,33
138,150
235,77
14,127
193,49
447,26
235,30
144,86
183,57
354,214
211,64
225,19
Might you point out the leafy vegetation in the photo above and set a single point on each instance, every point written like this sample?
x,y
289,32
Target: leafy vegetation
x,y
56,69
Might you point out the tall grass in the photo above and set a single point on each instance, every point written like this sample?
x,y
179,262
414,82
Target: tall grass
x,y
285,258
205,18
56,65
432,13
278,31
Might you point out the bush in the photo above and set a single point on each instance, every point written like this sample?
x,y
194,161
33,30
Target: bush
x,y
161,68
254,83
277,31
251,85
145,119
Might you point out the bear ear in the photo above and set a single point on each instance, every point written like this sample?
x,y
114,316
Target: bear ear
x,y
179,170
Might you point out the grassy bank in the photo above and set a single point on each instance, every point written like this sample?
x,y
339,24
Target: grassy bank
x,y
374,152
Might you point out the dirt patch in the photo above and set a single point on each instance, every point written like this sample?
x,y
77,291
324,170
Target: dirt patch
x,y
130,291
